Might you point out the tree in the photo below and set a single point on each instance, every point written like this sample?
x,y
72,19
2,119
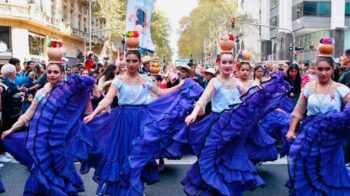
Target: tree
x,y
114,13
200,31
160,27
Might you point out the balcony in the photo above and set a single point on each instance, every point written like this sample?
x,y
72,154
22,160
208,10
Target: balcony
x,y
78,32
33,14
311,22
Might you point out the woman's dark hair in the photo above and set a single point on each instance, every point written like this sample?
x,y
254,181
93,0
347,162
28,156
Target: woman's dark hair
x,y
329,60
256,69
296,84
243,63
158,77
109,73
28,71
58,65
134,52
14,61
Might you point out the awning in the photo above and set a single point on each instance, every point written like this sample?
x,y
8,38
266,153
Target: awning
x,y
36,36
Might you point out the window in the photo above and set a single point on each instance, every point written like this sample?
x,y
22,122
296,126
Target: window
x,y
5,36
274,21
347,9
313,8
297,11
310,8
323,9
36,44
274,3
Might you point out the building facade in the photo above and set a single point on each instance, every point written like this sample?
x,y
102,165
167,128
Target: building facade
x,y
254,38
313,20
26,27
299,23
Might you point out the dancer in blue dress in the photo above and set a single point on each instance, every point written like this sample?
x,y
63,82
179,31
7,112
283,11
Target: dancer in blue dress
x,y
105,141
316,161
53,118
223,166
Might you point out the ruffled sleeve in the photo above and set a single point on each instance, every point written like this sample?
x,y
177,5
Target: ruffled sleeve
x,y
216,84
343,91
117,82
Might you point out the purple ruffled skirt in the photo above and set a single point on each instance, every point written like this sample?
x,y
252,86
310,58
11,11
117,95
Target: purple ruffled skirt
x,y
124,131
47,143
316,159
223,166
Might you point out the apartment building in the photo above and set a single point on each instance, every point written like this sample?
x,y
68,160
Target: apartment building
x,y
26,27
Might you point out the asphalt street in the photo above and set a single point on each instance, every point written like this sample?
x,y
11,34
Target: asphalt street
x,y
275,175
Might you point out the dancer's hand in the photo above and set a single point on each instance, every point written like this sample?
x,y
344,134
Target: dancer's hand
x,y
290,135
89,118
190,119
6,133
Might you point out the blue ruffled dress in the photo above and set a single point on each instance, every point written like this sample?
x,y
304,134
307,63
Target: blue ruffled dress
x,y
316,159
166,137
45,147
223,166
108,139
269,132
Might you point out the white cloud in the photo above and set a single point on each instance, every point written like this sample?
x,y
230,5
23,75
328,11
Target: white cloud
x,y
175,10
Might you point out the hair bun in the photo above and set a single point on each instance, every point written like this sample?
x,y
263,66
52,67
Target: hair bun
x,y
54,52
227,43
326,47
132,40
244,56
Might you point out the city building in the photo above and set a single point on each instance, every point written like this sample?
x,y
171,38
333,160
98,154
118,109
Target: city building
x,y
309,20
255,38
27,26
313,20
298,23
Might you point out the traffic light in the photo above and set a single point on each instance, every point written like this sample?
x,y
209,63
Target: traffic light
x,y
233,20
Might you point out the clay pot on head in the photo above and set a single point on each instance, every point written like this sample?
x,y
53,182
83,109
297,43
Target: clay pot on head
x,y
245,56
227,45
133,43
154,70
54,54
325,50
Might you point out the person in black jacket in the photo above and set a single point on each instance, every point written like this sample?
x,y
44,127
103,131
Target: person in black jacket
x,y
11,98
11,102
345,76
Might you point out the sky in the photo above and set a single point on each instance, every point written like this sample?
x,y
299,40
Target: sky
x,y
175,10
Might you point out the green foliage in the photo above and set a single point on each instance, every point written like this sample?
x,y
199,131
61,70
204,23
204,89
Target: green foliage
x,y
114,12
204,26
160,28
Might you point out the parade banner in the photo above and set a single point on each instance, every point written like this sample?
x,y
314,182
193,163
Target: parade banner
x,y
138,18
